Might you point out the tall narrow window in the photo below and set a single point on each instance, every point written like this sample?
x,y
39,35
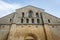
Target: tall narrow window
x,y
38,21
30,13
48,20
37,15
10,20
32,20
27,20
21,20
23,14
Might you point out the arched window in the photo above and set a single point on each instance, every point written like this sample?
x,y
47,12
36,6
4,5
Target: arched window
x,y
21,20
22,14
48,20
30,13
37,15
38,21
10,20
32,20
27,20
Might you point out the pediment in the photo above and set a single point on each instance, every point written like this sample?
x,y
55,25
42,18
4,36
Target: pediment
x,y
29,7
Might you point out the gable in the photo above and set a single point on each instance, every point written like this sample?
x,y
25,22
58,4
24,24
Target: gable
x,y
6,19
27,8
16,16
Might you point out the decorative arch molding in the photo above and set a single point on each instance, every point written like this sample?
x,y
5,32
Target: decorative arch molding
x,y
30,36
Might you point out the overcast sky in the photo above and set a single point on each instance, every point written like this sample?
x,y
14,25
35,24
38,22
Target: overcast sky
x,y
50,6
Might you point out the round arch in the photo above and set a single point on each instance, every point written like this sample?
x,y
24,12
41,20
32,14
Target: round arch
x,y
30,36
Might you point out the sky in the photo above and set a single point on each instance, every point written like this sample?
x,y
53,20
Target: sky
x,y
50,6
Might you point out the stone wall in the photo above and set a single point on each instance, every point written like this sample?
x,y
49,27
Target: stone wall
x,y
19,32
55,29
4,30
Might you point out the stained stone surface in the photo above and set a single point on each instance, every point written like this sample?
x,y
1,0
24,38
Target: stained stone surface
x,y
47,28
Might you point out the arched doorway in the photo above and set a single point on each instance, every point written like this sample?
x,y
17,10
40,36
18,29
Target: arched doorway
x,y
30,37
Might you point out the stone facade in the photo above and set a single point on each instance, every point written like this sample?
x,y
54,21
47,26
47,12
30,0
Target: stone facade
x,y
29,23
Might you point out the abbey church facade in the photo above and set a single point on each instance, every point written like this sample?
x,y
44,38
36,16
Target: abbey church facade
x,y
29,23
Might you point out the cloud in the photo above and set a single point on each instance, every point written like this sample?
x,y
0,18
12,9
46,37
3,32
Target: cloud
x,y
6,8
